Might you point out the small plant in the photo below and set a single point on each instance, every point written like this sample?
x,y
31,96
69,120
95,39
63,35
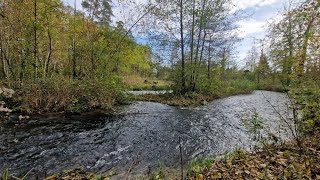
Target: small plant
x,y
159,174
254,124
199,165
5,175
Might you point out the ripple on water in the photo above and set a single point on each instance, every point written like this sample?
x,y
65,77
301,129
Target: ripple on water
x,y
147,135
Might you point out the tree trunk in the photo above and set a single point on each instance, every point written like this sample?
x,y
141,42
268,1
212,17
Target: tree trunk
x,y
303,52
48,61
183,81
198,46
192,42
23,63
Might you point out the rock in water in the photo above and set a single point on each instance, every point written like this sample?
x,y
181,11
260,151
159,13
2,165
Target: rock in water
x,y
20,117
7,93
4,109
204,102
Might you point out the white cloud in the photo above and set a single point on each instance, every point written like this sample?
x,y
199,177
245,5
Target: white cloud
x,y
251,27
244,4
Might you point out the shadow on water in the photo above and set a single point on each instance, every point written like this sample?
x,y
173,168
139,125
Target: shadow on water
x,y
146,135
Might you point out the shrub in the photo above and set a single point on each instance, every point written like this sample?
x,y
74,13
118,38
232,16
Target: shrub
x,y
58,94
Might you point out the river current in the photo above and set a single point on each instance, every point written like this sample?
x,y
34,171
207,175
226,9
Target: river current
x,y
143,138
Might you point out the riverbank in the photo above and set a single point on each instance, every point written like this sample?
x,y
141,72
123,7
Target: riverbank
x,y
284,161
72,96
78,96
64,95
191,100
138,83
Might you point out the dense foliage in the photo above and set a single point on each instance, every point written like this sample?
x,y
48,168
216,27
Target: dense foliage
x,y
48,48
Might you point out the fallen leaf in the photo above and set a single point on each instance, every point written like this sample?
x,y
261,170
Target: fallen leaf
x,y
217,176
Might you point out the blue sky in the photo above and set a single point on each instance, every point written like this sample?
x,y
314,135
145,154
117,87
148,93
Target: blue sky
x,y
251,28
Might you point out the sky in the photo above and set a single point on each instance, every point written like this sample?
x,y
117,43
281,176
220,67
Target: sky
x,y
255,27
252,28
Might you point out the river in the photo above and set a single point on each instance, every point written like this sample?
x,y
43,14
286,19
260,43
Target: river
x,y
141,139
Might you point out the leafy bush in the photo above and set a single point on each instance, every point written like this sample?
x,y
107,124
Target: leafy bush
x,y
59,94
307,96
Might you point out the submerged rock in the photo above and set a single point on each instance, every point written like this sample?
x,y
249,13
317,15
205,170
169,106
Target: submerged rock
x,y
4,109
7,93
204,102
20,117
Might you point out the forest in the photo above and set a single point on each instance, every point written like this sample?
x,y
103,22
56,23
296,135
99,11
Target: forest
x,y
57,57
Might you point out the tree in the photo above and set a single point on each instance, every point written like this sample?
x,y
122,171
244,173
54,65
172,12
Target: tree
x,y
199,24
99,10
263,68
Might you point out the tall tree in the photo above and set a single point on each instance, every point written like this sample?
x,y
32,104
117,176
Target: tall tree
x,y
99,10
183,78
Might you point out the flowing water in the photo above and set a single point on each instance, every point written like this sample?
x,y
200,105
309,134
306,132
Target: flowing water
x,y
144,137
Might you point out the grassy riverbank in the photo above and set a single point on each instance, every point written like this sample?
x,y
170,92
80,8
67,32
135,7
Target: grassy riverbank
x,y
76,96
138,83
202,97
65,95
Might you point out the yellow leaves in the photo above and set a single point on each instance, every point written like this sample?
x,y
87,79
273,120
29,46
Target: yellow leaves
x,y
287,174
277,162
282,161
261,175
199,177
286,153
307,162
298,167
217,176
247,172
263,165
229,163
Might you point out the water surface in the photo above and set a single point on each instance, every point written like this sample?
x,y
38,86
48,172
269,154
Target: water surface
x,y
146,136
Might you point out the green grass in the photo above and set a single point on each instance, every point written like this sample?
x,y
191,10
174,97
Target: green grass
x,y
138,83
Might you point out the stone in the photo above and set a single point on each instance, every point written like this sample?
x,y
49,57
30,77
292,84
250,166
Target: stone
x,y
204,102
20,117
7,93
5,110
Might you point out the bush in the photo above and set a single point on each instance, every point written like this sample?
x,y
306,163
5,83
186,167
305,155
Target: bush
x,y
307,96
59,94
